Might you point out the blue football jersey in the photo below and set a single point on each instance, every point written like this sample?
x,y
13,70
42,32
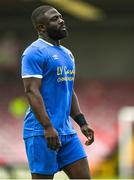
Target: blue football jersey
x,y
56,67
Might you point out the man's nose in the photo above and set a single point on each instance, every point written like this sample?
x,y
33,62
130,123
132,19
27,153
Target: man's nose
x,y
61,21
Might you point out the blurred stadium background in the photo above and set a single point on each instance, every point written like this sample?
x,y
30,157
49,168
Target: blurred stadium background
x,y
101,37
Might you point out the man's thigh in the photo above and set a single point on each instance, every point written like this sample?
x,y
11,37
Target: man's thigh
x,y
71,151
78,170
41,159
41,176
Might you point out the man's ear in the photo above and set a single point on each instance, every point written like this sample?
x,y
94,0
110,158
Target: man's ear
x,y
41,27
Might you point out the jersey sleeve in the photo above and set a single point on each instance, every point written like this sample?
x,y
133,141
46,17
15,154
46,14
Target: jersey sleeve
x,y
32,64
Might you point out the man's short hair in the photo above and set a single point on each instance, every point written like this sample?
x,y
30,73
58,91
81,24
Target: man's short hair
x,y
38,14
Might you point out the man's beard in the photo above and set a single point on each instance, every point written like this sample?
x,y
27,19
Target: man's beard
x,y
57,34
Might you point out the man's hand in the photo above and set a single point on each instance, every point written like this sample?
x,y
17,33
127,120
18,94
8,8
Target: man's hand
x,y
89,133
52,138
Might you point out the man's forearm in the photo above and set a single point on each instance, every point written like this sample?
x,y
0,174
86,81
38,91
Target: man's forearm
x,y
75,107
38,108
76,113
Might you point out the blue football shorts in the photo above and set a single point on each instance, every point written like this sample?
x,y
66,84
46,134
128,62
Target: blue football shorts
x,y
43,160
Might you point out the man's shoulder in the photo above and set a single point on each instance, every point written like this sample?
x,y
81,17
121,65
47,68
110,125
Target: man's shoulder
x,y
35,48
66,49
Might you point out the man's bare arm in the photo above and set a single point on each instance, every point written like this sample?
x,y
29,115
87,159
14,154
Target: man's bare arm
x,y
32,89
79,118
75,107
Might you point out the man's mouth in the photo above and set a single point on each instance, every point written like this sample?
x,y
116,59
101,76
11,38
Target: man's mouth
x,y
63,27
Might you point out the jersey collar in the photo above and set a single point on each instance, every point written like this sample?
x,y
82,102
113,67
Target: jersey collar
x,y
46,42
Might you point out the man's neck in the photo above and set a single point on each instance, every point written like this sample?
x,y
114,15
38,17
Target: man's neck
x,y
46,38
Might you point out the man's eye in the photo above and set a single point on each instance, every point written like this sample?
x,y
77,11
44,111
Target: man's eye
x,y
55,18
